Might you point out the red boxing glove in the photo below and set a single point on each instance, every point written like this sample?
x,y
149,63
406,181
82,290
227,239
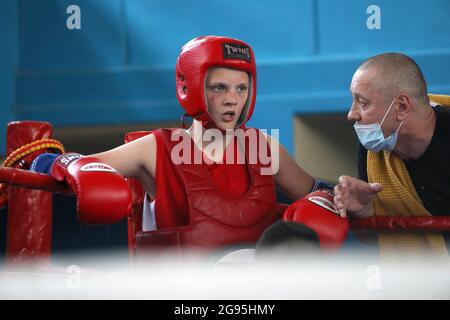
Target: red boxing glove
x,y
103,195
317,211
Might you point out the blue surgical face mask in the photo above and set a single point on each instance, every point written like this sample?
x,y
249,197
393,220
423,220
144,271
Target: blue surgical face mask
x,y
372,138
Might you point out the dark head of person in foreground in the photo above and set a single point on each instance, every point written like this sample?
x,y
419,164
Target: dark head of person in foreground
x,y
287,240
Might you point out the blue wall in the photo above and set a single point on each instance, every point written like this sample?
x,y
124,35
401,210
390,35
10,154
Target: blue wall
x,y
119,68
8,65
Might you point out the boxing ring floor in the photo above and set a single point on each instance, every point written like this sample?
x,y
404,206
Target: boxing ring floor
x,y
344,277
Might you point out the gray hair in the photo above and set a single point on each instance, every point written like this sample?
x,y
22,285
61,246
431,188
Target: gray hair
x,y
398,73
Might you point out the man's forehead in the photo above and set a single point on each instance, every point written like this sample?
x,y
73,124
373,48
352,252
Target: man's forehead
x,y
362,79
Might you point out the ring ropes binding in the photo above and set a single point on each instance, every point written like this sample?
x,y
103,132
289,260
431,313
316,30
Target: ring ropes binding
x,y
14,159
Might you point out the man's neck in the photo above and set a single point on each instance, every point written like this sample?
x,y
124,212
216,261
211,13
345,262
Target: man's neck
x,y
416,135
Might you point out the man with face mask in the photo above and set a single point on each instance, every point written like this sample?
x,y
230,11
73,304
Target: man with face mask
x,y
404,154
371,135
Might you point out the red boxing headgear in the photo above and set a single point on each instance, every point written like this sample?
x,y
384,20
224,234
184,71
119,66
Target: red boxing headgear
x,y
197,57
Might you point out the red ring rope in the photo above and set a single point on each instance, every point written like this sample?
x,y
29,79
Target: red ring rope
x,y
435,223
31,180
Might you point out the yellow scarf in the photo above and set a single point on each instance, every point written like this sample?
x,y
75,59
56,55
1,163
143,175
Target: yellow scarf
x,y
399,197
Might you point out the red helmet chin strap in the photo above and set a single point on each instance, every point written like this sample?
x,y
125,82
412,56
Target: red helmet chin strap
x,y
204,118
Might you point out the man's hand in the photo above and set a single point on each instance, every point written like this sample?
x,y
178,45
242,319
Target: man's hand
x,y
354,197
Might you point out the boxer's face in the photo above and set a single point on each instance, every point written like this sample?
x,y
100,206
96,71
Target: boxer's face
x,y
370,103
226,94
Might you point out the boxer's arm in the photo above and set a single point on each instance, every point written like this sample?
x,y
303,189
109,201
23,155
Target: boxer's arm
x,y
136,159
289,176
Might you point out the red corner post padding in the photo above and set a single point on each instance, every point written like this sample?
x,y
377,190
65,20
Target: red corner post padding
x,y
29,211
